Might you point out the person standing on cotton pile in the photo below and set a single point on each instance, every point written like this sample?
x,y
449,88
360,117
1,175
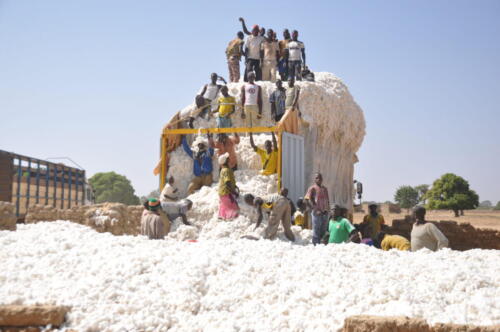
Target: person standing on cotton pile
x,y
387,242
169,193
234,51
292,95
269,156
319,202
425,234
226,107
372,222
340,229
278,207
154,223
283,63
251,99
226,144
228,191
202,162
252,54
278,101
269,55
295,53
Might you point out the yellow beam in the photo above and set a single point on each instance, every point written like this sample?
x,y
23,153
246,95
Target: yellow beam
x,y
185,131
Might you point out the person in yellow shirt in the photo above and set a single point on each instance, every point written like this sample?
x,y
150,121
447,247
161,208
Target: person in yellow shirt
x,y
227,106
372,222
268,157
387,242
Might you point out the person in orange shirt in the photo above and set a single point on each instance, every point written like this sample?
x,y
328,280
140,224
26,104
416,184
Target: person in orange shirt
x,y
227,144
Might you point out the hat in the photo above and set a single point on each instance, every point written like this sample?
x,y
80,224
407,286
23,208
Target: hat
x,y
256,26
153,204
223,158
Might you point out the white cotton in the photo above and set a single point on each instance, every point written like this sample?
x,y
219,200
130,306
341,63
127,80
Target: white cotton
x,y
118,283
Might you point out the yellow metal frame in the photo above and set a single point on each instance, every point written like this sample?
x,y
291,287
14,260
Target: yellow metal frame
x,y
185,131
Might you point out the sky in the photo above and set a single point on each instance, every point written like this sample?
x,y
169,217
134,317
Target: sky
x,y
96,81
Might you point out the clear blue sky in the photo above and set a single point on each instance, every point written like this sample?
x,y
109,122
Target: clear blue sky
x,y
96,80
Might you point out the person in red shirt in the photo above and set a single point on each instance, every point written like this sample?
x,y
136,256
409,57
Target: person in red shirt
x,y
319,202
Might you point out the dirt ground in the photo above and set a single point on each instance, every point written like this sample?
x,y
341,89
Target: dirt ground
x,y
477,218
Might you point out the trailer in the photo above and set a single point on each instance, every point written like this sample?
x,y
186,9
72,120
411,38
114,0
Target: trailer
x,y
27,181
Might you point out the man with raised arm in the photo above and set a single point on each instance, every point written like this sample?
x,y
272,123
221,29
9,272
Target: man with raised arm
x,y
252,53
269,156
251,99
202,162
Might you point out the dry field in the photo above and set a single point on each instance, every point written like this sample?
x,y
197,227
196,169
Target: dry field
x,y
477,218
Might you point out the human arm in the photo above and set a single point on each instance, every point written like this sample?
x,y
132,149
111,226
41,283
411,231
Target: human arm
x,y
186,147
244,26
273,104
221,79
442,241
304,55
185,220
202,91
243,102
211,144
275,143
236,138
252,144
260,217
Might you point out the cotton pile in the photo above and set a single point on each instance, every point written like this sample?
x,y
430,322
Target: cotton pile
x,y
118,283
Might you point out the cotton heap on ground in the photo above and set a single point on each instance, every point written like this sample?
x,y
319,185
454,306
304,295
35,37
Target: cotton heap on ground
x,y
130,283
333,134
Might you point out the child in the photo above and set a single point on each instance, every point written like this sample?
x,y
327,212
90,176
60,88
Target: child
x,y
301,216
169,192
225,109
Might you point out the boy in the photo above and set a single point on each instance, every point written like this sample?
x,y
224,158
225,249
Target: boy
x,y
340,229
301,216
225,109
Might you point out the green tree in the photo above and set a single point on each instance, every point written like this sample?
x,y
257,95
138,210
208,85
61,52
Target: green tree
x,y
497,207
422,190
112,187
153,194
406,197
486,204
451,192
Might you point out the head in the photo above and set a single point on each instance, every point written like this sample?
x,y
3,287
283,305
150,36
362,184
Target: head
x,y
240,35
153,205
295,35
373,209
419,214
343,212
291,82
279,84
255,30
269,146
284,192
213,78
300,204
249,199
318,179
270,34
251,77
201,147
337,211
262,32
171,180
222,137
224,91
286,34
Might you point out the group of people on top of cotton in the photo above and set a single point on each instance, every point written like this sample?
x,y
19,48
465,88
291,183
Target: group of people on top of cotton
x,y
265,60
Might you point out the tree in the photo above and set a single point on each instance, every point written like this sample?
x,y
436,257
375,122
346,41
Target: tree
x,y
497,207
485,204
422,190
406,197
112,187
153,194
451,192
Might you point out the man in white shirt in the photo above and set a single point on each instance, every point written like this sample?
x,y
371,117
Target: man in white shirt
x,y
251,99
208,95
296,55
169,193
252,54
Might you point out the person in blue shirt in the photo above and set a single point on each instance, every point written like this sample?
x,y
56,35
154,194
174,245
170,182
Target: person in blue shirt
x,y
202,162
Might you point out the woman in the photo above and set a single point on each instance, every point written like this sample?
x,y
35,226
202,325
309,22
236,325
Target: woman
x,y
228,191
425,234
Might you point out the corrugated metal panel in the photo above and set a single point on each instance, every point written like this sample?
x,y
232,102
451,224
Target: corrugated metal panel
x,y
293,165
